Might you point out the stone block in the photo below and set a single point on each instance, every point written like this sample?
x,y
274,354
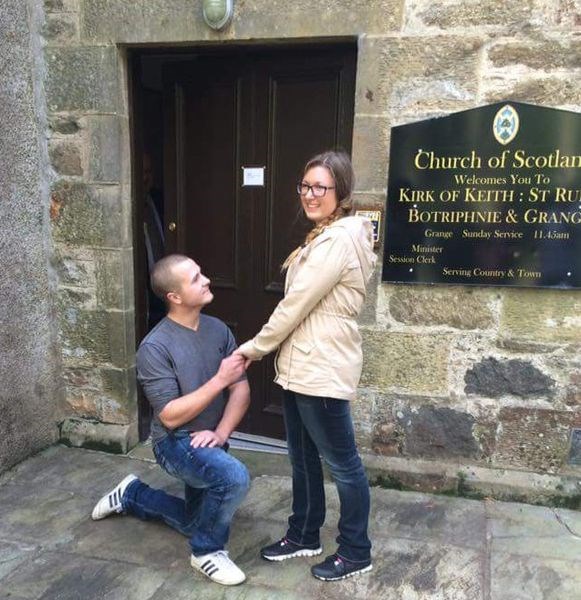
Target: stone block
x,y
107,395
114,278
119,401
97,337
559,90
575,448
115,203
362,412
82,403
181,20
85,215
438,432
387,439
387,435
119,21
65,157
64,125
568,14
76,214
542,315
415,75
367,316
76,297
51,6
370,153
370,201
121,333
75,266
544,55
534,439
82,377
117,439
84,337
82,79
493,378
104,160
456,307
413,363
459,14
277,18
573,390
61,28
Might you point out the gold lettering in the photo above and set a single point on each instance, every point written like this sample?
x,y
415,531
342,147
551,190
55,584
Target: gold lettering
x,y
429,160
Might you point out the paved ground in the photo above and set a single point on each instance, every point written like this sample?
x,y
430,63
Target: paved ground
x,y
425,547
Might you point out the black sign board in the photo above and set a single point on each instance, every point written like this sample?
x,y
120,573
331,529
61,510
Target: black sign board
x,y
489,196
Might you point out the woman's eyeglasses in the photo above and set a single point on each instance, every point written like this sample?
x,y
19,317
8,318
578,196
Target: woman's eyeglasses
x,y
317,190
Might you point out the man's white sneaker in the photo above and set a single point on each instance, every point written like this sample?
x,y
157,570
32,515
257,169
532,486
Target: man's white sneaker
x,y
110,503
218,567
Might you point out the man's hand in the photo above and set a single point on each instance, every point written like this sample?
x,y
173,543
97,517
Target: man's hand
x,y
206,439
231,369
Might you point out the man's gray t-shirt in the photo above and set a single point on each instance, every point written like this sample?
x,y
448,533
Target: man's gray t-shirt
x,y
174,360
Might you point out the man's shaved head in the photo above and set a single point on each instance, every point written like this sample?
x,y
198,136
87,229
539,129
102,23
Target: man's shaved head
x,y
164,279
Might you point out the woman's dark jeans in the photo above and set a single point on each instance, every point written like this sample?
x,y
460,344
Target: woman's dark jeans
x,y
322,426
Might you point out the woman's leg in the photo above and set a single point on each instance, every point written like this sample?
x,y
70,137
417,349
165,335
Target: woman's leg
x,y
329,425
308,507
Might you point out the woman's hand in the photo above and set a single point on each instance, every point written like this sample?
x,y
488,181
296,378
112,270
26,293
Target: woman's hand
x,y
238,353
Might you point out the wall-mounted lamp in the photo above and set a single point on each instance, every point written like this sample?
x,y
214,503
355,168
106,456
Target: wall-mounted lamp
x,y
218,13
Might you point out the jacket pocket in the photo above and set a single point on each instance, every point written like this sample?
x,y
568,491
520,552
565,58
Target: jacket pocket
x,y
304,346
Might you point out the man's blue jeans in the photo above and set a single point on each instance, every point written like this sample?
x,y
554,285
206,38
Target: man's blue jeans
x,y
322,426
215,485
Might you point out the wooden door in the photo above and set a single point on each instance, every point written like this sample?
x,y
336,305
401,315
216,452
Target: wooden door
x,y
270,108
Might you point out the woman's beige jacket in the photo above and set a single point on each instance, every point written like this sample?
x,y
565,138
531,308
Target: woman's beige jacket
x,y
314,325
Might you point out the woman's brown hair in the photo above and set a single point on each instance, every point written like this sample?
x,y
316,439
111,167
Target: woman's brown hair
x,y
339,166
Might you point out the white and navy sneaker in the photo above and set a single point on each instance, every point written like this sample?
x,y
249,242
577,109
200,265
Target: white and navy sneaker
x,y
218,567
110,503
334,568
285,548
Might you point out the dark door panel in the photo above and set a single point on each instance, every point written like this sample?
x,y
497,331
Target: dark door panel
x,y
255,108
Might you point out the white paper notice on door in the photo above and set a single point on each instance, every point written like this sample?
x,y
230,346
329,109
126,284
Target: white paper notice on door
x,y
253,176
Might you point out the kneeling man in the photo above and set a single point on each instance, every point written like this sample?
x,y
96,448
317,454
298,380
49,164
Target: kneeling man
x,y
199,393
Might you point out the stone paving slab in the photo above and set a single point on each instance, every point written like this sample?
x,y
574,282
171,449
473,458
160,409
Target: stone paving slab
x,y
425,547
520,529
518,577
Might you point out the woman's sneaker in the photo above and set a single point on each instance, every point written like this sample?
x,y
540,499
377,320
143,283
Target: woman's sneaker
x,y
334,568
284,549
218,567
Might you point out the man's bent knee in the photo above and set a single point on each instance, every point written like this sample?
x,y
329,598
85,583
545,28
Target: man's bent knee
x,y
238,477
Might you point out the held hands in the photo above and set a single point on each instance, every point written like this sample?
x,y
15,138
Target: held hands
x,y
231,369
206,439
247,360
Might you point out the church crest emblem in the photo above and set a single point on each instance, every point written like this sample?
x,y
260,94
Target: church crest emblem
x,y
505,125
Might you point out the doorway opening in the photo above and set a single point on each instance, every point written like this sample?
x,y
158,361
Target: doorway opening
x,y
220,135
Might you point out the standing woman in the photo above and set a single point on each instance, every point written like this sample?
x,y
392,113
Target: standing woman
x,y
319,365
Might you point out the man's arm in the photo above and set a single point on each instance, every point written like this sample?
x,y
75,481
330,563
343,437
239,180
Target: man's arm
x,y
235,409
185,408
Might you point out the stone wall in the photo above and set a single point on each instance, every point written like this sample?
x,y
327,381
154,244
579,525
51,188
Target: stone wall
x,y
455,378
91,227
30,391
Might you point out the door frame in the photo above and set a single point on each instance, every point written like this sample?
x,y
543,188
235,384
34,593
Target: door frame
x,y
168,53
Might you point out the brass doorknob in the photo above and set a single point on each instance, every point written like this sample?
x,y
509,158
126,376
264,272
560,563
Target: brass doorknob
x,y
172,226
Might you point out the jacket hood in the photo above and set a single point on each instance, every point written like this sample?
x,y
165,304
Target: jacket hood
x,y
361,232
